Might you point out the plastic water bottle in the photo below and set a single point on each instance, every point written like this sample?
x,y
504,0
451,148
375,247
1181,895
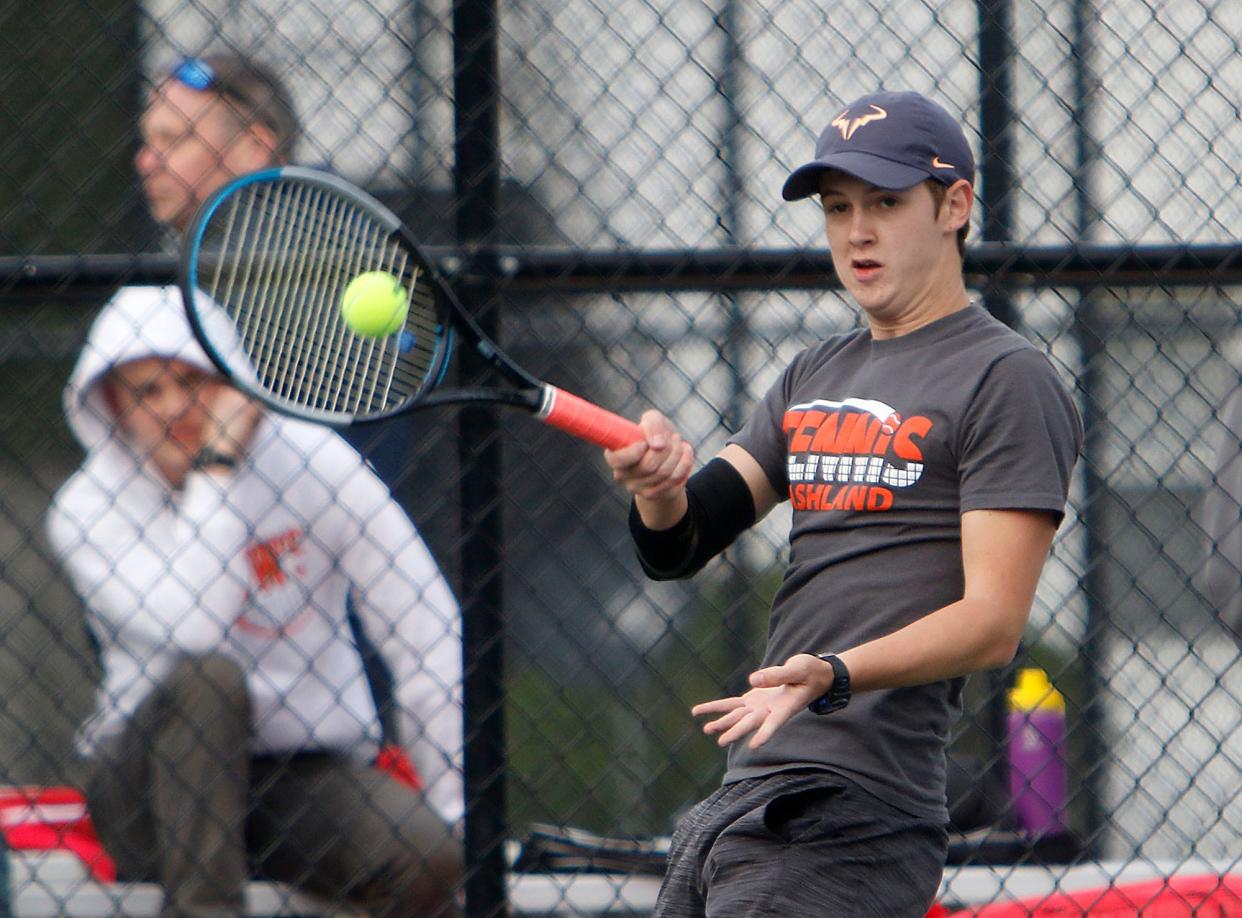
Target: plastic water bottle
x,y
1037,784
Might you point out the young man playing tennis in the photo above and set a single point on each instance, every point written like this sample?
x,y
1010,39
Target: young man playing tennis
x,y
224,555
927,459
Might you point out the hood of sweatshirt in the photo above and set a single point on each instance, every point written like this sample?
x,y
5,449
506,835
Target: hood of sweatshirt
x,y
138,322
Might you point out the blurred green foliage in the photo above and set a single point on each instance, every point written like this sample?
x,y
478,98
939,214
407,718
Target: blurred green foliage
x,y
625,757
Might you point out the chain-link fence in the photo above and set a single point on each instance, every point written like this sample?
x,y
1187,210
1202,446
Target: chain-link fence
x,y
602,182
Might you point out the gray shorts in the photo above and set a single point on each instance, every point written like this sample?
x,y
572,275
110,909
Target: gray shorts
x,y
801,843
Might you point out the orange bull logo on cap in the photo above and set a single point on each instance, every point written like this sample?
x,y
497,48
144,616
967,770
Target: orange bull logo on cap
x,y
851,454
847,125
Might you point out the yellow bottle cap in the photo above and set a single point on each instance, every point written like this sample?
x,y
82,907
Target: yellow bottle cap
x,y
1034,692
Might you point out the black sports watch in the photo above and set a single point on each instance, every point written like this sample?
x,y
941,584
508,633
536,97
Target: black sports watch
x,y
838,694
208,457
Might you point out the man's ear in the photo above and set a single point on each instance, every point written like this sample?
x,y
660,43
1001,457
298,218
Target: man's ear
x,y
253,147
266,146
959,201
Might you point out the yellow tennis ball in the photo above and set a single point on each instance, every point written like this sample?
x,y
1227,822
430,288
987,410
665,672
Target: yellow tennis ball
x,y
374,304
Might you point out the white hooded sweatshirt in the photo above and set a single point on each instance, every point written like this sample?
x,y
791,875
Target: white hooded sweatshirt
x,y
258,567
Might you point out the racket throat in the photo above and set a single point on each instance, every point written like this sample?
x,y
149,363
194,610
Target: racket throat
x,y
547,402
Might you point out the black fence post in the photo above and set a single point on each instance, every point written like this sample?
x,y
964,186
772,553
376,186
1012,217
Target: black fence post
x,y
996,174
476,87
996,170
1088,335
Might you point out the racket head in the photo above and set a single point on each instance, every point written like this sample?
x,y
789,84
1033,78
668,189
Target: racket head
x,y
264,267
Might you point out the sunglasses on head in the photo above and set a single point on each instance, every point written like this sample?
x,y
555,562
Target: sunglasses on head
x,y
252,95
196,74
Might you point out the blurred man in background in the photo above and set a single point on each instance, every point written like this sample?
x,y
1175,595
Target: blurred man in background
x,y
209,121
232,563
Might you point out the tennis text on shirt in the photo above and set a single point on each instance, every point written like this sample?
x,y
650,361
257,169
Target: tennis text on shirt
x,y
851,454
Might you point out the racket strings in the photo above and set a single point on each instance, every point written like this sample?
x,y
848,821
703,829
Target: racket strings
x,y
277,258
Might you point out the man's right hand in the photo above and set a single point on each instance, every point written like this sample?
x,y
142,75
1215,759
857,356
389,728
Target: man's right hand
x,y
655,470
231,419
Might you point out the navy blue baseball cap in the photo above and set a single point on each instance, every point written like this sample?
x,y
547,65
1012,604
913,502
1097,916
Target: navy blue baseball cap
x,y
891,140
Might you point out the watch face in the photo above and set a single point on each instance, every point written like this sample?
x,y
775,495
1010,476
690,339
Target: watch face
x,y
826,704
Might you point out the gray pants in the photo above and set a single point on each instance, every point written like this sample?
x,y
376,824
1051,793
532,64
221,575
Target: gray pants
x,y
179,800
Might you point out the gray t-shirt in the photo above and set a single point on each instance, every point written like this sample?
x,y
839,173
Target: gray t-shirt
x,y
880,446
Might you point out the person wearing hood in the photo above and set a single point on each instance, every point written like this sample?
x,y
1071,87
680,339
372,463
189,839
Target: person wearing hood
x,y
218,549
223,555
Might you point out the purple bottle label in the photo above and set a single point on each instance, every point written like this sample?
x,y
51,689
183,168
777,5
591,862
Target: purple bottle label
x,y
1037,774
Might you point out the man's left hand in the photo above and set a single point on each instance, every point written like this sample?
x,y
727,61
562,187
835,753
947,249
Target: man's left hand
x,y
778,693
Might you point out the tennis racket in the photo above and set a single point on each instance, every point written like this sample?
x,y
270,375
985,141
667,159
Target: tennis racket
x,y
264,267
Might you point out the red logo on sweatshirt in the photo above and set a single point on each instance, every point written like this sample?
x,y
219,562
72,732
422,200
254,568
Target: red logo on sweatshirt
x,y
272,562
269,559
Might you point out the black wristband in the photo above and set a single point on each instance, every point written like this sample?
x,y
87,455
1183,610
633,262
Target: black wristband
x,y
208,457
662,551
720,508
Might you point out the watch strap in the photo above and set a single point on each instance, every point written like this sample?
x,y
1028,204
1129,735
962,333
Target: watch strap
x,y
838,694
213,457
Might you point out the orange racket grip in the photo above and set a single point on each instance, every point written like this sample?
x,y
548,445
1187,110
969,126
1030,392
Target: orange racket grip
x,y
566,411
